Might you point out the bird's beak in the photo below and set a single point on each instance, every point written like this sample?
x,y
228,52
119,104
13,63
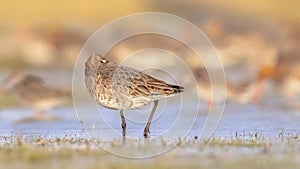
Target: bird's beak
x,y
4,85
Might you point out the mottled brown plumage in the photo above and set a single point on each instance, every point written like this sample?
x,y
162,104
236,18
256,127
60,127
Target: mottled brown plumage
x,y
32,91
123,88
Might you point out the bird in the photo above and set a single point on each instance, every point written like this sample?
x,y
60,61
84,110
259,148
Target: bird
x,y
242,92
285,74
32,91
124,88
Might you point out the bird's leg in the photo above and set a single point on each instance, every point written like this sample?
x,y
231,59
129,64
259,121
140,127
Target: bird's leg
x,y
146,130
209,104
123,123
258,91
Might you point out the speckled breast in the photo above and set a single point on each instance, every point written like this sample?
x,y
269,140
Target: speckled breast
x,y
114,98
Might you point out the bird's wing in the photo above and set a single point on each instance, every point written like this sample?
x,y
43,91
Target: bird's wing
x,y
145,85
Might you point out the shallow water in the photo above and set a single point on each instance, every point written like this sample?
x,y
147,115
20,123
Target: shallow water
x,y
243,120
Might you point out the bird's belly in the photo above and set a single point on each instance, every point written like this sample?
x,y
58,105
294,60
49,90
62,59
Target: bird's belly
x,y
124,103
46,104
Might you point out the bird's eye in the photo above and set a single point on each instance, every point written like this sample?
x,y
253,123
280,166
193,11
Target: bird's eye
x,y
103,61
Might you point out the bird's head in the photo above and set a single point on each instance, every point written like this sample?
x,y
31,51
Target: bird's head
x,y
96,60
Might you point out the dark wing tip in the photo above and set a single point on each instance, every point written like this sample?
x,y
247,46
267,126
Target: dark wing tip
x,y
177,88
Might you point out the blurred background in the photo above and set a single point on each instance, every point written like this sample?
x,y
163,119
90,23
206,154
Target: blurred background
x,y
257,42
46,38
50,36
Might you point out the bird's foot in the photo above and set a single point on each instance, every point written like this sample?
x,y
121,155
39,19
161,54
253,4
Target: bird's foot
x,y
124,129
146,132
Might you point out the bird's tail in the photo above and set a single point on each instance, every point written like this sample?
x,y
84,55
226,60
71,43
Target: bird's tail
x,y
176,88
